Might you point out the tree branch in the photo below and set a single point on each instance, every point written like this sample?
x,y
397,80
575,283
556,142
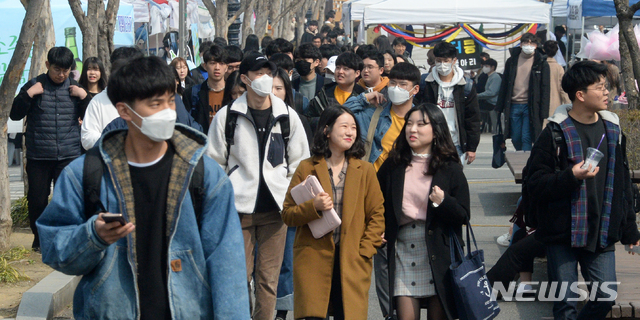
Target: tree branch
x,y
211,8
635,7
76,9
245,4
293,8
112,11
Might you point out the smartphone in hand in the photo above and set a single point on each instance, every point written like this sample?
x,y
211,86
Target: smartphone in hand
x,y
111,217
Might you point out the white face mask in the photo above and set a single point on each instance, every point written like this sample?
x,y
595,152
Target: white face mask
x,y
330,76
486,70
528,49
398,95
158,126
444,68
262,86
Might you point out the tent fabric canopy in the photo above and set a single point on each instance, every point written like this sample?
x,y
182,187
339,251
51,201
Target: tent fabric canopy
x,y
560,9
601,8
456,11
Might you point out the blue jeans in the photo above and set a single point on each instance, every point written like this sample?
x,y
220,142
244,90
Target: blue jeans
x,y
520,129
284,299
562,264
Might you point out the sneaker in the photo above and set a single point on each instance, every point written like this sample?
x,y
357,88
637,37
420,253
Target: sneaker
x,y
504,240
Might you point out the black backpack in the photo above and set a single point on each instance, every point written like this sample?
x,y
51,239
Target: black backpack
x,y
92,177
530,207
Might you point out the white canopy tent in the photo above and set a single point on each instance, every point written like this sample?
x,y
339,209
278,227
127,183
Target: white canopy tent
x,y
457,11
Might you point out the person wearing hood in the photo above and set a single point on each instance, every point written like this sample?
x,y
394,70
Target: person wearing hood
x,y
455,94
524,93
312,30
583,209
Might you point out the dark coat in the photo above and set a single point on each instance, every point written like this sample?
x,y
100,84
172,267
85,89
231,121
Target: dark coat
x,y
539,94
197,104
554,190
324,99
199,74
53,130
452,213
467,109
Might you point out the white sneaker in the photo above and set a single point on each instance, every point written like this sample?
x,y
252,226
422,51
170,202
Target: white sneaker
x,y
504,240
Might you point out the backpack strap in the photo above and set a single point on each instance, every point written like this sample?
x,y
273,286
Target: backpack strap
x,y
285,127
368,144
196,189
91,178
229,131
558,140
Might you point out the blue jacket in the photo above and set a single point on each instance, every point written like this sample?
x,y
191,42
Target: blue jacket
x,y
211,283
364,112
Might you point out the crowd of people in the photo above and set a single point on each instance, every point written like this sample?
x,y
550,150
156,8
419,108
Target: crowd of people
x,y
199,164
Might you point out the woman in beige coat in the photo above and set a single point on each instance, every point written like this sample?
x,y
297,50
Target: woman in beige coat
x,y
332,274
557,96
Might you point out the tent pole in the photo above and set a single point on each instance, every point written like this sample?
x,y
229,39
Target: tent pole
x,y
146,26
581,34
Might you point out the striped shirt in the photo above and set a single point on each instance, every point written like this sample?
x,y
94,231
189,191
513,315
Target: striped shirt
x,y
338,190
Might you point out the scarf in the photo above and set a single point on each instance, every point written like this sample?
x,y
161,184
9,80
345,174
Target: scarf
x,y
579,227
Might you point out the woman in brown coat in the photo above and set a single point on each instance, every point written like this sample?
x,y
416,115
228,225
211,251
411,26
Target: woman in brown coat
x,y
332,274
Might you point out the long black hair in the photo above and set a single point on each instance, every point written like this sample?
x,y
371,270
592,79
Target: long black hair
x,y
288,97
327,119
93,62
232,80
443,150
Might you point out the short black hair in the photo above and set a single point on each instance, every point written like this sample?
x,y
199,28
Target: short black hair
x,y
550,48
364,49
320,147
220,41
581,75
61,57
234,54
485,55
400,41
215,53
373,55
491,63
204,46
559,30
325,29
330,14
279,45
529,37
405,71
329,50
332,35
125,53
252,43
313,23
445,49
308,51
317,36
266,40
350,60
282,60
142,78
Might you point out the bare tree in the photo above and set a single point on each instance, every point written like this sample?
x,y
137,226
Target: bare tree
x,y
219,13
246,23
7,92
300,17
97,27
318,11
261,18
629,50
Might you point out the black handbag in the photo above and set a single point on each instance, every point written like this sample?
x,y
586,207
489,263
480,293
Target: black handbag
x,y
471,288
499,147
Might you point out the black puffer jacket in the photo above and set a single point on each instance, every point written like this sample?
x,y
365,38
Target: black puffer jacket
x,y
539,84
53,130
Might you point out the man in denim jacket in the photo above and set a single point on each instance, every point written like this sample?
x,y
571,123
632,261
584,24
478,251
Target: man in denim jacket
x,y
167,261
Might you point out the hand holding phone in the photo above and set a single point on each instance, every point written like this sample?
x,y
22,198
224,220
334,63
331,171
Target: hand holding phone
x,y
112,227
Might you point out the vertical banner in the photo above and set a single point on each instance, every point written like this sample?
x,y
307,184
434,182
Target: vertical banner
x,y
574,19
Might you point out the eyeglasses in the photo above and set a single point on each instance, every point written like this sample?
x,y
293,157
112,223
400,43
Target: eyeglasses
x,y
371,67
601,87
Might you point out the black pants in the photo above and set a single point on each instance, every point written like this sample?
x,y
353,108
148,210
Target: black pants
x,y
335,297
40,174
518,258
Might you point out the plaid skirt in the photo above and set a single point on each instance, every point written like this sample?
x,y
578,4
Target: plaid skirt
x,y
413,276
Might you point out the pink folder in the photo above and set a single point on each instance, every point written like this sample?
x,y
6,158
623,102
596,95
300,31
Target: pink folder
x,y
306,191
